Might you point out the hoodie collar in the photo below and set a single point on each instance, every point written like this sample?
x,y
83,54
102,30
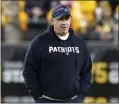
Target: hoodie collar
x,y
51,32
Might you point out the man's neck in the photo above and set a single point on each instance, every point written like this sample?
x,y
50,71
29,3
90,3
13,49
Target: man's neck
x,y
63,37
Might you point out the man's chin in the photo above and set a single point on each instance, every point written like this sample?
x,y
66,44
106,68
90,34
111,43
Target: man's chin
x,y
64,32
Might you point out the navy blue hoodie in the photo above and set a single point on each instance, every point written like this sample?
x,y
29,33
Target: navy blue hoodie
x,y
56,68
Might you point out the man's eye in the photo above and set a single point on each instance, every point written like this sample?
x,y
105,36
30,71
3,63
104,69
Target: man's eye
x,y
60,19
66,18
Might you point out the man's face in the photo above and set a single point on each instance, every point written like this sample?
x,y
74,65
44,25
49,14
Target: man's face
x,y
62,25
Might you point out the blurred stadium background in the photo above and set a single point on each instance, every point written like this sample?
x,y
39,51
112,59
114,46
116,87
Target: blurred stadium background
x,y
94,21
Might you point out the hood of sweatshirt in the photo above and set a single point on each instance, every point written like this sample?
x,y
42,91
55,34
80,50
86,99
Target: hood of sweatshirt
x,y
51,32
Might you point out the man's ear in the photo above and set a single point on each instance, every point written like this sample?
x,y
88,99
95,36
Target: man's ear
x,y
52,21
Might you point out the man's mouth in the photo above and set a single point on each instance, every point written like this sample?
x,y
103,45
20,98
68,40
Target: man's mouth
x,y
63,27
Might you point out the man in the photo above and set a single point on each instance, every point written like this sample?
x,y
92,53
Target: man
x,y
57,65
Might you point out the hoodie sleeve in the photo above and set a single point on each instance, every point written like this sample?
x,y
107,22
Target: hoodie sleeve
x,y
85,74
31,69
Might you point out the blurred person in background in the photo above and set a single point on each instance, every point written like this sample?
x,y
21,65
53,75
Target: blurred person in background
x,y
10,27
83,19
37,9
101,26
57,66
32,14
104,21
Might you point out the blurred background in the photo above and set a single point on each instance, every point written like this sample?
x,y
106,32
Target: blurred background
x,y
96,22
